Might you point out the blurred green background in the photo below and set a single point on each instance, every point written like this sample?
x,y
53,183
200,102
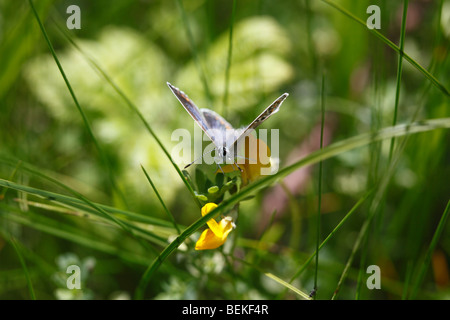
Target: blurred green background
x,y
277,47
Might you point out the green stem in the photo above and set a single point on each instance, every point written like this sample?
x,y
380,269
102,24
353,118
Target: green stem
x,y
194,51
169,214
434,241
399,72
227,70
25,269
316,271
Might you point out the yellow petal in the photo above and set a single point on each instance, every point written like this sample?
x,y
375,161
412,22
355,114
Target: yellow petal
x,y
217,233
212,224
207,208
215,228
209,240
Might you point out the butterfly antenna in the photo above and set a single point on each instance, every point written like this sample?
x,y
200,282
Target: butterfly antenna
x,y
188,165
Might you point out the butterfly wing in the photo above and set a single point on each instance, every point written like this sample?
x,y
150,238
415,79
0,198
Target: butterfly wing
x,y
270,110
221,130
192,109
214,120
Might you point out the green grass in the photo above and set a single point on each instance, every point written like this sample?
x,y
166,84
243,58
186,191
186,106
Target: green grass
x,y
425,265
399,71
228,67
25,270
368,189
319,192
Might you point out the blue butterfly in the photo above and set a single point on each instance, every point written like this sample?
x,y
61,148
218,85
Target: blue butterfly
x,y
220,132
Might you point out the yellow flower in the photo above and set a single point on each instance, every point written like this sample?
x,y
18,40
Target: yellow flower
x,y
253,151
217,233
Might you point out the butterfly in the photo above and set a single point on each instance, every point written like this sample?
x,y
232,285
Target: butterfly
x,y
224,137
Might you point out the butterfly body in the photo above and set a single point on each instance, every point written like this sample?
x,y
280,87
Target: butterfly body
x,y
224,137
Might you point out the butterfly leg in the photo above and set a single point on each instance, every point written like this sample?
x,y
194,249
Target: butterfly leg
x,y
221,169
240,169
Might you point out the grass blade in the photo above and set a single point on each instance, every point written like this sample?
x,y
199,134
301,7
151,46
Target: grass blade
x,y
288,285
194,51
2,195
89,203
362,263
399,72
75,202
416,65
228,67
98,217
309,33
169,214
332,233
355,248
434,241
319,205
274,277
75,193
75,100
69,233
25,269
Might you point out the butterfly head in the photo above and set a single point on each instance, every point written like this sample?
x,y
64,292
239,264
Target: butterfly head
x,y
222,154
